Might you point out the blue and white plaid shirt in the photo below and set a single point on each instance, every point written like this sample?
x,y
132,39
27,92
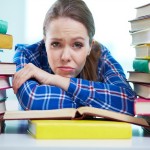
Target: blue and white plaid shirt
x,y
112,93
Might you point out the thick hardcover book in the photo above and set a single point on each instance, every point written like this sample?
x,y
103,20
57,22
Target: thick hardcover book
x,y
139,77
141,37
2,105
7,68
141,65
142,51
142,107
72,113
143,10
6,41
3,26
4,82
79,129
140,23
142,90
3,95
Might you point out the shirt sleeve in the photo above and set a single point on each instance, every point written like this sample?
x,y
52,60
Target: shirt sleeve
x,y
34,96
113,93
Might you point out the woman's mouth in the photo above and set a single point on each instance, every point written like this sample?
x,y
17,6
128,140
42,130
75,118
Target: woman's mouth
x,y
66,69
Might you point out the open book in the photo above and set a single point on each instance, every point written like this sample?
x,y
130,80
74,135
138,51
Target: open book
x,y
72,113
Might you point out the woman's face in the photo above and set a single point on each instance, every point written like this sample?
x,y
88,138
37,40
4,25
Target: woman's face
x,y
67,46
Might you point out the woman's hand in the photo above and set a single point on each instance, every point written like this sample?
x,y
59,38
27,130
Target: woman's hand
x,y
31,71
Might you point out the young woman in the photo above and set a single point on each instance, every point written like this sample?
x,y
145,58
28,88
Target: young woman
x,y
68,68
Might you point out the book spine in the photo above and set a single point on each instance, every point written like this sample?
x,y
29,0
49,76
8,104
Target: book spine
x,y
3,26
141,65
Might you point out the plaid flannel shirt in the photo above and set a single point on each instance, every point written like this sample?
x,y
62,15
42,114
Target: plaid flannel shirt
x,y
112,92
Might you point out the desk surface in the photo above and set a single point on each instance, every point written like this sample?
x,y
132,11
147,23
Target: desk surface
x,y
16,138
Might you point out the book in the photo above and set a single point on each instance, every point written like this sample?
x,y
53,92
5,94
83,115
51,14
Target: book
x,y
143,10
140,23
71,113
3,26
141,65
6,41
79,129
3,95
4,82
142,51
142,90
2,105
141,37
140,77
7,68
142,107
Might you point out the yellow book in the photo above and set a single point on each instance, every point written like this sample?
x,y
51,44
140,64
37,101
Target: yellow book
x,y
6,41
79,129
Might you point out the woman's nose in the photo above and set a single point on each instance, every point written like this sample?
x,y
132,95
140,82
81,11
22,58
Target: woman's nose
x,y
66,54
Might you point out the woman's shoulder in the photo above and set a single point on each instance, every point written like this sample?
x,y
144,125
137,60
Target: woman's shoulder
x,y
38,46
104,50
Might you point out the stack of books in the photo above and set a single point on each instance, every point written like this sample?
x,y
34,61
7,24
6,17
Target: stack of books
x,y
81,123
7,69
140,76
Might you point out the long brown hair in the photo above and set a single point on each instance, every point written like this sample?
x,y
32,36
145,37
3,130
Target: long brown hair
x,y
77,10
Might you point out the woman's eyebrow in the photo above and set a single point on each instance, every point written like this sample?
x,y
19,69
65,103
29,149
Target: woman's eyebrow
x,y
56,39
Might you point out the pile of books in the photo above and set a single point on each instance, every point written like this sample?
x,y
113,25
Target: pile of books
x,y
140,76
7,69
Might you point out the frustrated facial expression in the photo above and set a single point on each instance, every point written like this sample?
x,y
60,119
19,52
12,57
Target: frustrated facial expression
x,y
67,46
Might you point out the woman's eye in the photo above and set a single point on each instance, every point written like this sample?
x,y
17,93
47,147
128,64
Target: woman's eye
x,y
55,44
78,45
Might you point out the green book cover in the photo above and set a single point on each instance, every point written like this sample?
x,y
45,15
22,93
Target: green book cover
x,y
141,65
3,26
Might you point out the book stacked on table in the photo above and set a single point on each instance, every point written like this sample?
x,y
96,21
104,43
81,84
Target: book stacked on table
x,y
81,123
7,69
140,76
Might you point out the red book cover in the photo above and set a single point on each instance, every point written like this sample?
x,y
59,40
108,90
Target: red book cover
x,y
142,106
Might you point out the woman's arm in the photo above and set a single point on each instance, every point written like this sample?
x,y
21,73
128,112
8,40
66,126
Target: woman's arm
x,y
114,93
35,95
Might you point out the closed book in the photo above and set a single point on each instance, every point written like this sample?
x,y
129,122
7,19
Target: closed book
x,y
7,68
141,65
142,51
140,77
2,106
3,26
72,114
142,107
4,82
143,10
140,23
142,90
141,37
6,41
3,95
79,129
